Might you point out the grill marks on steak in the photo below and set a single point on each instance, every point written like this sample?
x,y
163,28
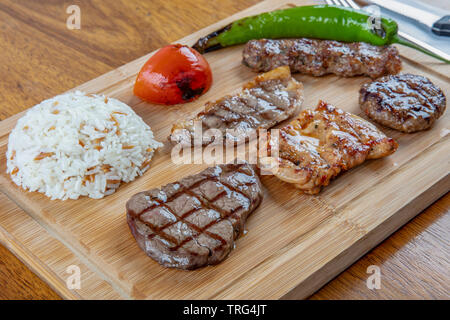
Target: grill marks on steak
x,y
262,103
193,222
320,57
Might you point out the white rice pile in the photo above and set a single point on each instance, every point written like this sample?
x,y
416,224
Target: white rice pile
x,y
77,145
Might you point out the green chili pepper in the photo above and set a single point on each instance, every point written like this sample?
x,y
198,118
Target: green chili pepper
x,y
319,22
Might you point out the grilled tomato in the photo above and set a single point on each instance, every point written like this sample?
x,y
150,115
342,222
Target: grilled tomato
x,y
174,74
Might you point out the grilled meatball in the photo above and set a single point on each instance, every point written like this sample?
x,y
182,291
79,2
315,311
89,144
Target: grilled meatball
x,y
405,102
320,57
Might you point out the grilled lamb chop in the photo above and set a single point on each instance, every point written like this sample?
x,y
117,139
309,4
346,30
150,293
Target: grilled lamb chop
x,y
267,100
404,102
194,222
321,143
320,57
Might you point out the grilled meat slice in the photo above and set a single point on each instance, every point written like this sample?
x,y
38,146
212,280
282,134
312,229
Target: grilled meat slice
x,y
321,143
267,100
320,57
404,102
194,222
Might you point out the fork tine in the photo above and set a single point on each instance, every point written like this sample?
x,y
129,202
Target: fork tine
x,y
332,2
343,3
352,4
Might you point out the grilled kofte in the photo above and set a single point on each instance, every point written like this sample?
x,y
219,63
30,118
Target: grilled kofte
x,y
267,100
193,222
404,102
320,57
321,143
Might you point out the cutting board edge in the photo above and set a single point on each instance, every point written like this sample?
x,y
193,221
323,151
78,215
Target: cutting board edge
x,y
8,124
36,265
434,188
341,262
76,248
303,289
312,283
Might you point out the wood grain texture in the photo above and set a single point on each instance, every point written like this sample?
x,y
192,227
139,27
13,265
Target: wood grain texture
x,y
414,262
17,281
90,54
46,256
44,58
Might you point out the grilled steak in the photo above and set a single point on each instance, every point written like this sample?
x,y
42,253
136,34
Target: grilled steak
x,y
319,144
267,100
320,57
193,222
404,102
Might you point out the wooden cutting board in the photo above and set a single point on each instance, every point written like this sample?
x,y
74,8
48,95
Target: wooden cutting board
x,y
295,243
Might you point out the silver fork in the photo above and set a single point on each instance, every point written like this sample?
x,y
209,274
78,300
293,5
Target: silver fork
x,y
425,46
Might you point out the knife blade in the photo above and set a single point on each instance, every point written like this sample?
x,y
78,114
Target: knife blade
x,y
440,25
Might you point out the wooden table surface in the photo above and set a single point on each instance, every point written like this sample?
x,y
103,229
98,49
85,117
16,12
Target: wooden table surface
x,y
41,58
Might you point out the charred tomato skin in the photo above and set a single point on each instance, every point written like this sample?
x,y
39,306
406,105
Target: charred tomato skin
x,y
174,74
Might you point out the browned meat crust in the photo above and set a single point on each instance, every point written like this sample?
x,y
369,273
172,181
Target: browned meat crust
x,y
321,143
193,222
404,102
267,100
320,57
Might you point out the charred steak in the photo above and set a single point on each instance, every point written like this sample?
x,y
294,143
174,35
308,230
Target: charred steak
x,y
267,100
320,144
404,102
320,57
194,222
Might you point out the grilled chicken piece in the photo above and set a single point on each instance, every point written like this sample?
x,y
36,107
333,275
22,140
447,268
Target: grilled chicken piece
x,y
267,100
321,143
320,57
194,222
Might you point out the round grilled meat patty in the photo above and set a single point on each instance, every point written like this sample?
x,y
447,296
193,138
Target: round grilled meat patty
x,y
405,102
